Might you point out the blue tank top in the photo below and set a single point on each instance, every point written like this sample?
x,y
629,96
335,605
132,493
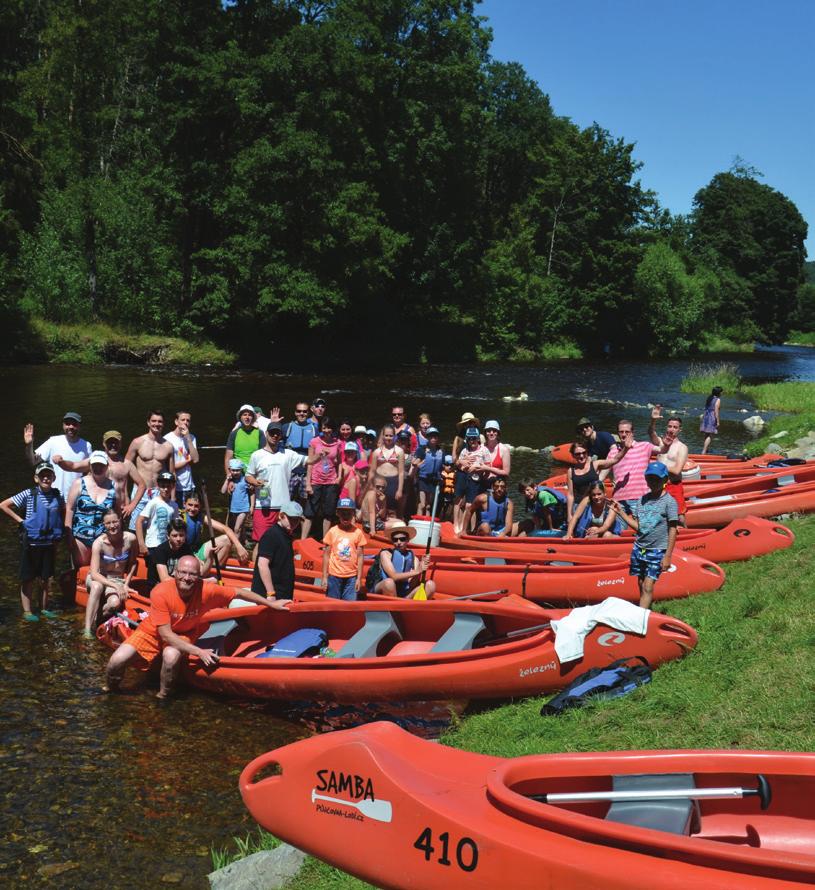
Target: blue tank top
x,y
87,524
496,513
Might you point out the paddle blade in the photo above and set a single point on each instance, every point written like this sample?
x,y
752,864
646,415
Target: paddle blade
x,y
421,593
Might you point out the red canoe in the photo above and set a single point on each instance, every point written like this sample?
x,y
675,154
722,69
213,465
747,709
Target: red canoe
x,y
401,650
741,539
718,507
401,812
562,455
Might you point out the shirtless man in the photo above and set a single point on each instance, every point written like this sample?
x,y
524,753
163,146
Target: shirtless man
x,y
120,470
672,452
152,454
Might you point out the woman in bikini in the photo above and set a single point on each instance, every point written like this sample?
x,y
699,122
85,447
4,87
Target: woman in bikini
x,y
500,460
374,508
113,562
388,461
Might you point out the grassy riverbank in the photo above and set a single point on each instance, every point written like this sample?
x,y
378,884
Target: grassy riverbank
x,y
96,344
750,683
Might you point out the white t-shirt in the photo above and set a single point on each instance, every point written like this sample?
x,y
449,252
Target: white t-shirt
x,y
157,516
275,470
79,450
182,452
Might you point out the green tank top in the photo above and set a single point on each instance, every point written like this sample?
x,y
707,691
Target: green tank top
x,y
246,443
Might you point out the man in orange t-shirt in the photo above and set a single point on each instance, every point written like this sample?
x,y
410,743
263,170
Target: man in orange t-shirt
x,y
178,608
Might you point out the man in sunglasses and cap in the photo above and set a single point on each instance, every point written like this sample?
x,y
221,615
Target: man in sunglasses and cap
x,y
598,443
318,407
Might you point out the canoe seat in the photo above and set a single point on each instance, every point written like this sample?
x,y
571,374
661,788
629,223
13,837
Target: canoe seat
x,y
679,816
337,644
250,649
461,634
366,641
494,561
412,647
215,635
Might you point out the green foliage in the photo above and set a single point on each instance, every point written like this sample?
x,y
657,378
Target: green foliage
x,y
259,173
702,378
241,847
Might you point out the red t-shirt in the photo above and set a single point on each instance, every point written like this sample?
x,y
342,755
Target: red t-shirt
x,y
184,616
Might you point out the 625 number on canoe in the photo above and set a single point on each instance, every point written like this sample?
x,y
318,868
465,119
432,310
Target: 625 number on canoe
x,y
466,850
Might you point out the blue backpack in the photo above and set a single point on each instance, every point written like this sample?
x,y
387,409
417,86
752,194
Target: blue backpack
x,y
617,679
302,643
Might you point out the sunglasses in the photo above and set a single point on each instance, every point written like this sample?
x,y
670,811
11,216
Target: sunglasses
x,y
298,411
380,487
580,453
398,414
399,539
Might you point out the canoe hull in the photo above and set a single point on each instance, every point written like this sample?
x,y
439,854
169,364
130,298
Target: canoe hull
x,y
405,813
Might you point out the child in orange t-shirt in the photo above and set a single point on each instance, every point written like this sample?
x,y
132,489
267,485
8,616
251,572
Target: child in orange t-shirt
x,y
343,554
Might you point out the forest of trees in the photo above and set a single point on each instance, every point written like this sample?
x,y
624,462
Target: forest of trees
x,y
278,174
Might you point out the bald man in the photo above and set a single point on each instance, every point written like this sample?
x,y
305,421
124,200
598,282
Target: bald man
x,y
178,608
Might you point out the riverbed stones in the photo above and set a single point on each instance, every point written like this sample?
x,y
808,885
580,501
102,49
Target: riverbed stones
x,y
266,870
754,423
774,448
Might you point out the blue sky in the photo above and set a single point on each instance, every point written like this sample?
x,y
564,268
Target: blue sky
x,y
692,83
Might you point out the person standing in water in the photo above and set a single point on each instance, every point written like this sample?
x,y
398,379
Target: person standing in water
x,y
710,419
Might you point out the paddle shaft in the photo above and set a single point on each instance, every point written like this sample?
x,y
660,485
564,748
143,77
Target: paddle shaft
x,y
432,525
474,596
666,794
205,499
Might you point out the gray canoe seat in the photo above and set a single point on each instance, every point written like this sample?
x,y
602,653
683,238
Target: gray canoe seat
x,y
679,816
365,642
215,635
494,561
461,634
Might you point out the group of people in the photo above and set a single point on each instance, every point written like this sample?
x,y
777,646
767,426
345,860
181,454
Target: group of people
x,y
108,507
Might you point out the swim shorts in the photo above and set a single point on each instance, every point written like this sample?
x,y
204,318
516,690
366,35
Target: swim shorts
x,y
677,491
646,562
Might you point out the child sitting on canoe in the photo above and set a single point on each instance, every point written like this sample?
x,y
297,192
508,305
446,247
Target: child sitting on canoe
x,y
593,517
396,571
655,519
343,554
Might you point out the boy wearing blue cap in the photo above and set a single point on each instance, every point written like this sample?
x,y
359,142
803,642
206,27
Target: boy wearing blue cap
x,y
655,519
343,554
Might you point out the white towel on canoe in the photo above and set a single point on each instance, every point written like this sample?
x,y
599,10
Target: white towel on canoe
x,y
571,631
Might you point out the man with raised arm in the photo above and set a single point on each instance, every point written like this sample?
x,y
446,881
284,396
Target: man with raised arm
x,y
629,471
152,454
185,455
672,452
178,610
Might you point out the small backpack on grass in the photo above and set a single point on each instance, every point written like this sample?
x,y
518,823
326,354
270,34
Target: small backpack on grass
x,y
617,679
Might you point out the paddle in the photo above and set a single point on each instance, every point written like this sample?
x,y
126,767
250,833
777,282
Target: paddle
x,y
381,810
215,562
763,792
522,631
421,593
474,596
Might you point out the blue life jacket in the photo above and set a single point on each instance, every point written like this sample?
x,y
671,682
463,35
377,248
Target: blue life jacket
x,y
421,440
430,467
495,514
299,435
585,521
403,561
45,525
558,510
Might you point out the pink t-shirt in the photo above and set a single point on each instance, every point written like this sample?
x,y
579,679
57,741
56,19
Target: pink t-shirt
x,y
324,472
629,473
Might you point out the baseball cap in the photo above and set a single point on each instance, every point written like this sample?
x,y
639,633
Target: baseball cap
x,y
98,457
448,458
72,415
164,476
292,509
351,446
257,409
360,429
235,464
403,434
492,425
318,403
432,431
370,432
112,434
245,408
44,465
471,432
346,504
584,421
361,465
655,468
274,427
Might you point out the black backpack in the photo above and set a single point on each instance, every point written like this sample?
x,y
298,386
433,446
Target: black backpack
x,y
616,679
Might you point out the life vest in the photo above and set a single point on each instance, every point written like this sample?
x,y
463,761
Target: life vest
x,y
558,509
448,479
299,435
402,562
584,522
44,526
431,465
495,514
194,527
246,443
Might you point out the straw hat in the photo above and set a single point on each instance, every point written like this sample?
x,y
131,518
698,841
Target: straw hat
x,y
400,527
468,419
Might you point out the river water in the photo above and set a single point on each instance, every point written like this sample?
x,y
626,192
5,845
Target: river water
x,y
122,791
